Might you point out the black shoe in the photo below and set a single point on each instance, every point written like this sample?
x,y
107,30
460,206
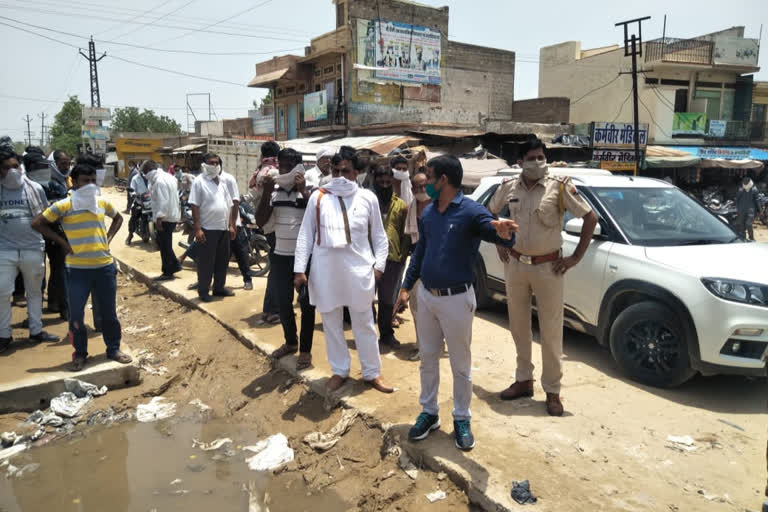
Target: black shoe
x,y
64,314
425,424
192,286
42,336
464,438
390,341
205,298
4,343
224,292
165,277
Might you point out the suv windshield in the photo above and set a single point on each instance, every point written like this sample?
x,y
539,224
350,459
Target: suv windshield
x,y
662,216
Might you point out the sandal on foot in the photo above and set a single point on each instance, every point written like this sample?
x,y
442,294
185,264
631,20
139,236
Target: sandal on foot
x,y
120,357
285,350
304,361
78,363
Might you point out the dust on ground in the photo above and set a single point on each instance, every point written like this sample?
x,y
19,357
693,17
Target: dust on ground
x,y
130,466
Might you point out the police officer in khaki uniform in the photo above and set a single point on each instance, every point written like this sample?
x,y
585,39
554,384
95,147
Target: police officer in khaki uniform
x,y
537,202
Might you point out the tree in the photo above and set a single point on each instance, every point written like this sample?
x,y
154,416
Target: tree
x,y
129,119
66,131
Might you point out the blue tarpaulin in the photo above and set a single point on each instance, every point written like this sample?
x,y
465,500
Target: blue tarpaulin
x,y
737,153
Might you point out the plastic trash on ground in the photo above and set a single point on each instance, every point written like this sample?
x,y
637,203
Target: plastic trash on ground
x,y
323,442
408,467
682,443
67,404
82,389
271,453
157,409
45,418
213,445
436,496
200,405
13,450
521,493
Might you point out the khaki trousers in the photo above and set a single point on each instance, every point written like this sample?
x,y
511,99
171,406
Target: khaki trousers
x,y
523,281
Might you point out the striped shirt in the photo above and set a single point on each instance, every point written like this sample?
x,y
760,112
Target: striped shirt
x,y
86,232
287,213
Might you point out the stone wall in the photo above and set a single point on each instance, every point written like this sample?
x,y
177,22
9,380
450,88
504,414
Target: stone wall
x,y
542,110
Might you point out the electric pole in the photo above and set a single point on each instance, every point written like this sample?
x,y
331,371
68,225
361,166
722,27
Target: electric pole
x,y
633,46
92,60
42,128
28,119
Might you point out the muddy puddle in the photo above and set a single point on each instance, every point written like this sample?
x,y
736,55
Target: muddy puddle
x,y
154,467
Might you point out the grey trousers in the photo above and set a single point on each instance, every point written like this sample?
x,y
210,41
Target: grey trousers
x,y
450,319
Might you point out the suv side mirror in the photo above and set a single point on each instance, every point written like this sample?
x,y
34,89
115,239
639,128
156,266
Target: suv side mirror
x,y
573,227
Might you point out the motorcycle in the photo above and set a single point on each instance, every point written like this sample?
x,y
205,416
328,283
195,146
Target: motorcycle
x,y
762,211
145,226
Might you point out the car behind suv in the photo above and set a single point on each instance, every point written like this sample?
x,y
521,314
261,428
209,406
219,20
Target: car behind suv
x,y
665,284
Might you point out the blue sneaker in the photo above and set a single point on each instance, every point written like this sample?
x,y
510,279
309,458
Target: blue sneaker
x,y
464,438
425,424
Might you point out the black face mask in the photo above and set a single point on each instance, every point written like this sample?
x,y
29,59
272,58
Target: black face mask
x,y
383,193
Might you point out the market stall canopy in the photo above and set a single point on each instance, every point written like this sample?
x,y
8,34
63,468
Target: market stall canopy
x,y
475,169
730,164
189,148
666,157
267,78
380,144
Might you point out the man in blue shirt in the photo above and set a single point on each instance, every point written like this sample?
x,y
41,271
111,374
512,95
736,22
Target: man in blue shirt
x,y
450,230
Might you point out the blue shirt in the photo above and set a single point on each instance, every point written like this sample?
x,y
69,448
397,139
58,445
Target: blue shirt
x,y
448,243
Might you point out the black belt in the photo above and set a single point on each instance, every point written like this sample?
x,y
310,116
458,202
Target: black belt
x,y
447,292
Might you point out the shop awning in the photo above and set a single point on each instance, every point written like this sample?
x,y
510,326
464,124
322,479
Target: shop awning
x,y
189,148
730,164
268,78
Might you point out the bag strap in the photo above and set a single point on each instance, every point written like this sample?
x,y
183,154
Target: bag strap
x,y
560,200
317,212
343,212
346,220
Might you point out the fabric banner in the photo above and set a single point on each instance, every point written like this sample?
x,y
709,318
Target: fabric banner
x,y
689,123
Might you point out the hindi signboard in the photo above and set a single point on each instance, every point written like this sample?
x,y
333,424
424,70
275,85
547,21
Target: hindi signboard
x,y
724,153
615,159
96,114
689,123
618,135
95,132
410,53
316,106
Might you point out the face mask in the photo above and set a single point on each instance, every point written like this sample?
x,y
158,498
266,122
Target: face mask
x,y
400,175
383,193
288,180
211,171
13,179
534,169
421,197
41,176
432,192
86,198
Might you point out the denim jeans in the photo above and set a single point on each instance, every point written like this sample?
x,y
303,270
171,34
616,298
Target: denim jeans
x,y
103,282
31,264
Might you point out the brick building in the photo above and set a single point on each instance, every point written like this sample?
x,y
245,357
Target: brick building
x,y
388,66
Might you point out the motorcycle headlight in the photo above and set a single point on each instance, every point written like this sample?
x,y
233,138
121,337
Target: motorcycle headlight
x,y
738,291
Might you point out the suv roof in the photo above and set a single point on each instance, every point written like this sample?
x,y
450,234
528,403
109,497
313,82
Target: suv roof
x,y
590,177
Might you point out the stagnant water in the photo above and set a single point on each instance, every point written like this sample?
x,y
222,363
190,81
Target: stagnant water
x,y
131,467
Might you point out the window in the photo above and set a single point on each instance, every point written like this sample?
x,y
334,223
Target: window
x,y
340,15
681,100
280,119
758,113
328,70
318,87
707,102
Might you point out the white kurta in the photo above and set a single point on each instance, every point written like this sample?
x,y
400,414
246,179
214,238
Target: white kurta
x,y
343,276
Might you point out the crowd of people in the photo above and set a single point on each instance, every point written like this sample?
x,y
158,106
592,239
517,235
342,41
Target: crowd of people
x,y
340,234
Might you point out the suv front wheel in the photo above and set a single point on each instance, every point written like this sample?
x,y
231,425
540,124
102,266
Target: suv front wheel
x,y
649,344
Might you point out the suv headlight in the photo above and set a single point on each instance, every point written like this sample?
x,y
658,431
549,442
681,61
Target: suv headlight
x,y
738,291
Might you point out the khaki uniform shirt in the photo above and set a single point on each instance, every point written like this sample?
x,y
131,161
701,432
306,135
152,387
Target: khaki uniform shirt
x,y
537,211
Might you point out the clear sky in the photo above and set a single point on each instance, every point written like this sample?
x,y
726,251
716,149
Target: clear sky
x,y
41,72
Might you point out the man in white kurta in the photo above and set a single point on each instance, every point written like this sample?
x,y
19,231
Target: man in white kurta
x,y
345,267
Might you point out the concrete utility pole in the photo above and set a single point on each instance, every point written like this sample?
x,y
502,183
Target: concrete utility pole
x,y
28,119
633,46
94,72
42,128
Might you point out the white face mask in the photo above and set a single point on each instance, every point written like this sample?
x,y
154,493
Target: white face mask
x,y
535,169
13,179
288,180
86,198
100,173
421,197
400,175
41,176
211,171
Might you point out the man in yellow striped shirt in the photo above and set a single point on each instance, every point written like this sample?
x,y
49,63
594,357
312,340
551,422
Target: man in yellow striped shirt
x,y
89,264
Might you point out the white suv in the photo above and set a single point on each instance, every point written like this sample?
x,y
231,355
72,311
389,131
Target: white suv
x,y
668,286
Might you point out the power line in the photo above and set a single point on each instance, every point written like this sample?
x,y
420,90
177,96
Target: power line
x,y
61,102
652,119
180,73
144,13
596,89
153,24
621,108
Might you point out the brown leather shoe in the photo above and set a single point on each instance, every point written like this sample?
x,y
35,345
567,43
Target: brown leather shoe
x,y
379,385
335,382
554,405
518,390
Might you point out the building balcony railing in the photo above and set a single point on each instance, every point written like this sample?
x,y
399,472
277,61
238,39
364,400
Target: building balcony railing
x,y
681,51
336,116
725,131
